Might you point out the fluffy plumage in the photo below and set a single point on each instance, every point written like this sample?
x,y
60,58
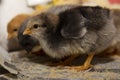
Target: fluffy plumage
x,y
114,48
78,30
116,41
30,43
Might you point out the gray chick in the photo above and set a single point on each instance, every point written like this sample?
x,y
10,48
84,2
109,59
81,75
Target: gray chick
x,y
75,31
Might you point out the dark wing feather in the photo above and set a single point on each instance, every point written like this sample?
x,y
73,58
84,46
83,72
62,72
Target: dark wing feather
x,y
75,22
96,16
72,23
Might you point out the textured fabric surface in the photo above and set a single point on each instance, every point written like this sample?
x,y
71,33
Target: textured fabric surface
x,y
33,67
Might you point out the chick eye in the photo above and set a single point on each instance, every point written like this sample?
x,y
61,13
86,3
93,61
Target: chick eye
x,y
14,29
35,26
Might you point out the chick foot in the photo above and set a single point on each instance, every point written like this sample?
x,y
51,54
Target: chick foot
x,y
80,68
85,66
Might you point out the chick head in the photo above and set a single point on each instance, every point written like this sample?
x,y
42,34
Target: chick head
x,y
14,25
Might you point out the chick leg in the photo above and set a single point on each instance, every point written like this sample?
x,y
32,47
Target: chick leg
x,y
86,65
67,61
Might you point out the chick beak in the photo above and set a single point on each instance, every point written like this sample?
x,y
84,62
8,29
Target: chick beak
x,y
27,31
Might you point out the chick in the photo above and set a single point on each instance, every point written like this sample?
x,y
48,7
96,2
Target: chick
x,y
75,31
12,29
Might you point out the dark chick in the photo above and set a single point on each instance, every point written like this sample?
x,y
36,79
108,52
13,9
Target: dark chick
x,y
75,31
